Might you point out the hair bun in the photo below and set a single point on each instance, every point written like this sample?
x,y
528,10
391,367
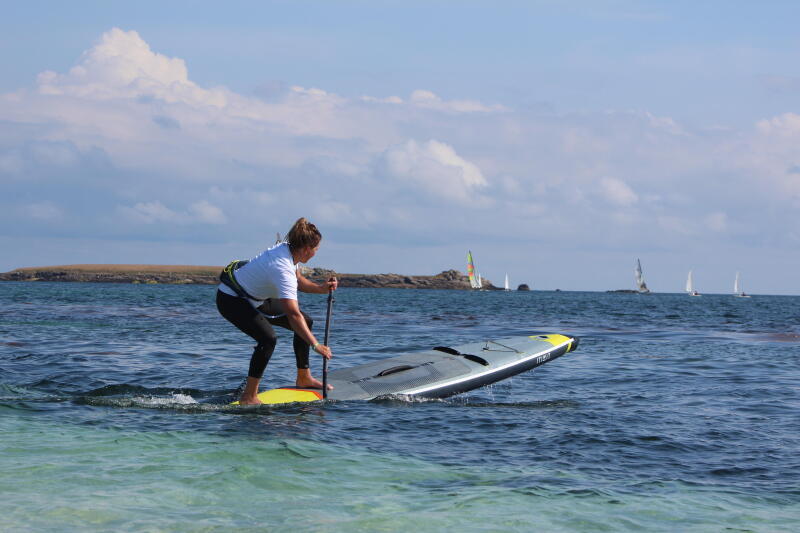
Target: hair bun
x,y
303,234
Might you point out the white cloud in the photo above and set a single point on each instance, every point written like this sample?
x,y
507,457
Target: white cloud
x,y
435,167
387,100
122,65
157,213
617,192
785,125
429,100
150,213
203,211
343,215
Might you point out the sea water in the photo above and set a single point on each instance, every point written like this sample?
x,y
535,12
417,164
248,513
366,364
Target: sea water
x,y
675,414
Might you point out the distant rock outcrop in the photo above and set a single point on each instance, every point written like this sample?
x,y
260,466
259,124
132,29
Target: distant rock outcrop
x,y
209,275
150,274
523,287
449,279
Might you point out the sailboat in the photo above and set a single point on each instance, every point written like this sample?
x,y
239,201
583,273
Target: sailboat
x,y
737,287
690,286
505,285
474,280
640,284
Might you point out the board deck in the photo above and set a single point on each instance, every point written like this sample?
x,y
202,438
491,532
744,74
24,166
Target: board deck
x,y
437,373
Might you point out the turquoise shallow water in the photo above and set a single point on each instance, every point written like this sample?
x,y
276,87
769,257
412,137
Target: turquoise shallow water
x,y
675,414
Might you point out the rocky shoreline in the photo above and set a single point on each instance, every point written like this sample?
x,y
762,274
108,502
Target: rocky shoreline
x,y
209,275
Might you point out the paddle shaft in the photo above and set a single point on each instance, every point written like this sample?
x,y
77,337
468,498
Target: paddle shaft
x,y
327,333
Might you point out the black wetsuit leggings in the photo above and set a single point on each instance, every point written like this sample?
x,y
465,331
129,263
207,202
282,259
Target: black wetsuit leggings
x,y
244,316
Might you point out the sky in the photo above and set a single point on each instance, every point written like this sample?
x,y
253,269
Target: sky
x,y
558,141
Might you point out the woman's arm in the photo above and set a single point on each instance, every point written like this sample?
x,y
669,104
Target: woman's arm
x,y
299,326
306,285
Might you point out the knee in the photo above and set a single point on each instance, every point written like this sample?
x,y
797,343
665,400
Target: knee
x,y
266,345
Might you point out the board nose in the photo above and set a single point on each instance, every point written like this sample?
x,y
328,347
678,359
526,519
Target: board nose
x,y
574,344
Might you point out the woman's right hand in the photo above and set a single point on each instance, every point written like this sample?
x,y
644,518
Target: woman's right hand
x,y
332,283
324,351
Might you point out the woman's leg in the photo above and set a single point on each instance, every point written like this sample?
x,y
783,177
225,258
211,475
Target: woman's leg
x,y
242,315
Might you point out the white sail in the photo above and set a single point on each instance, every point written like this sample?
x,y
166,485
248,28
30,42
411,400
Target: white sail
x,y
690,286
737,287
640,284
480,281
506,284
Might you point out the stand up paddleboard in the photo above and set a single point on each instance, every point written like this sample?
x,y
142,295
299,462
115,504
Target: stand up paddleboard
x,y
437,373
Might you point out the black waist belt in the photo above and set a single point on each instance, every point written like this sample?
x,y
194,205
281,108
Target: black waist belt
x,y
229,279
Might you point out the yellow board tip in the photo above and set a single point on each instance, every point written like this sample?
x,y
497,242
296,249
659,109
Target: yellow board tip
x,y
279,396
554,339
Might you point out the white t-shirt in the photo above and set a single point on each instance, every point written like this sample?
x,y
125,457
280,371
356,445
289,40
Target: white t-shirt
x,y
270,274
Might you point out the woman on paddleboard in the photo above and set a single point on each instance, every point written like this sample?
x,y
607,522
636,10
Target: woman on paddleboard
x,y
255,295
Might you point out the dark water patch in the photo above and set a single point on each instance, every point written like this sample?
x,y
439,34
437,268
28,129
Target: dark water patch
x,y
543,404
132,389
740,471
11,392
780,337
24,356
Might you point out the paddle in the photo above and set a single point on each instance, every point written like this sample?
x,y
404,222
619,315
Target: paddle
x,y
327,332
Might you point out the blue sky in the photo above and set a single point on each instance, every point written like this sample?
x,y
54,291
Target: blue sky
x,y
558,142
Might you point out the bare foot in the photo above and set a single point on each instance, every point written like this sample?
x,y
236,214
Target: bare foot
x,y
250,393
310,383
250,401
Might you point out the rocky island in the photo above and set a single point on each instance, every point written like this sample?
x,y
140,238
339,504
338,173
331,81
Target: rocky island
x,y
209,275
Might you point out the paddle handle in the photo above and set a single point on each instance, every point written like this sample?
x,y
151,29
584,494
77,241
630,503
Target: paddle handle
x,y
325,342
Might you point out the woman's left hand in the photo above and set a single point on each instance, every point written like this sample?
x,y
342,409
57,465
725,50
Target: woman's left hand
x,y
333,283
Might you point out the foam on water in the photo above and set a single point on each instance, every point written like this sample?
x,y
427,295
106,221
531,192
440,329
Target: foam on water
x,y
172,401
